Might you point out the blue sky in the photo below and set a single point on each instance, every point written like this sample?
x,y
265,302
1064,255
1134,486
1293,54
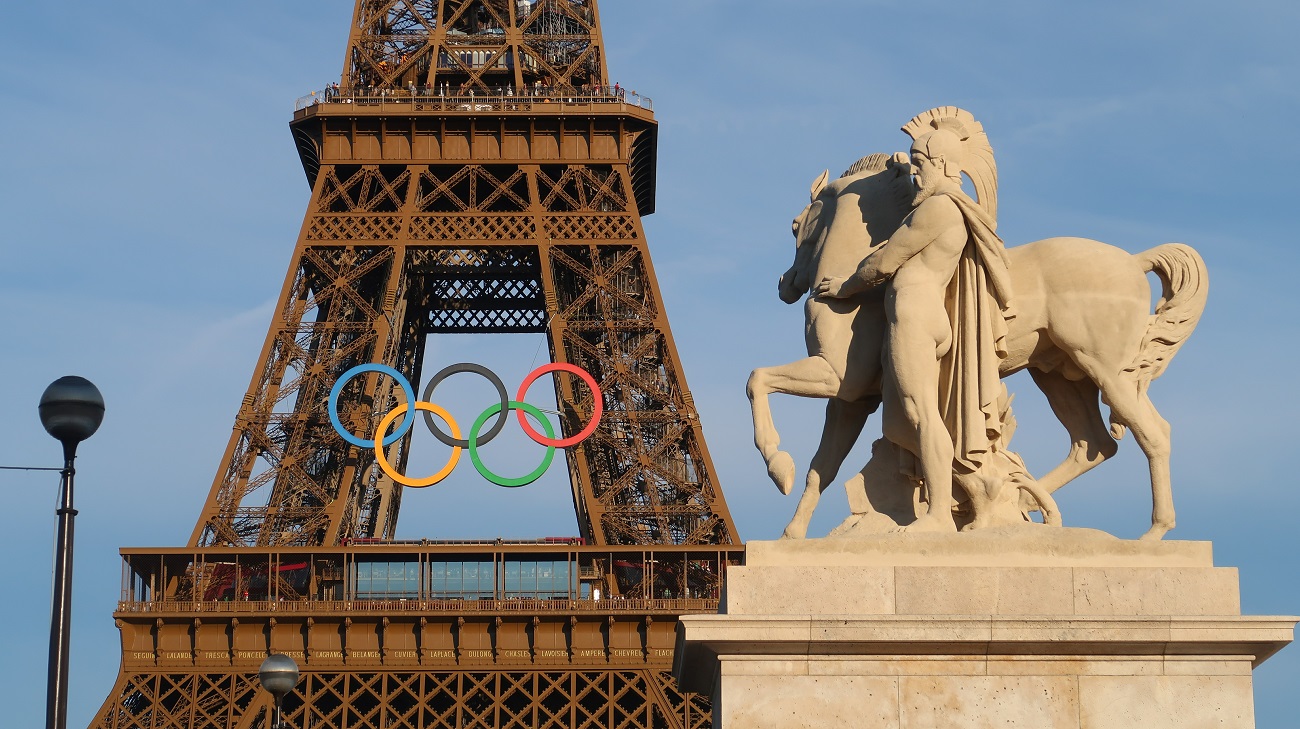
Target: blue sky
x,y
151,197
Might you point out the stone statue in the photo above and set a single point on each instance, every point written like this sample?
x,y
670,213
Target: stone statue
x,y
1082,324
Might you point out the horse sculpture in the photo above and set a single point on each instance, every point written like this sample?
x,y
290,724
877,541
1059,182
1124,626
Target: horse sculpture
x,y
1083,328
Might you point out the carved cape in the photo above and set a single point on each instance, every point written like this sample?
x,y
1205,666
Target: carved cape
x,y
979,304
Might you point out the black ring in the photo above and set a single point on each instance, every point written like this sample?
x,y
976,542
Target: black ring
x,y
477,369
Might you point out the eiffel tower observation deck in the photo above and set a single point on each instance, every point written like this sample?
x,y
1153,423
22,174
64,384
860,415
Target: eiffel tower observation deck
x,y
473,171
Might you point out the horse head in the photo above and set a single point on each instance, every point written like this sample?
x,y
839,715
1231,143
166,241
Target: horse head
x,y
808,232
845,218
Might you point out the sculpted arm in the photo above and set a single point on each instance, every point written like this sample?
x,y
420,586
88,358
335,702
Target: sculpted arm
x,y
931,219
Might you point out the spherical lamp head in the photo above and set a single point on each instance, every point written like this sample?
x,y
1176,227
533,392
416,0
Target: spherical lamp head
x,y
278,674
71,410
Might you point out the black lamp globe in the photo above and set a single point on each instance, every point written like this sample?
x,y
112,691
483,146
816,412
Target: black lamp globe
x,y
71,410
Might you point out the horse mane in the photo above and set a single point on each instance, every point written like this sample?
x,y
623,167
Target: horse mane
x,y
874,164
871,163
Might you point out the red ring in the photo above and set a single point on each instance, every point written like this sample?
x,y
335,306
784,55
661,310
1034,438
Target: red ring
x,y
598,398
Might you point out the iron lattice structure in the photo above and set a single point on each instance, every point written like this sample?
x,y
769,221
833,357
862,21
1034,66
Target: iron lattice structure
x,y
473,172
474,44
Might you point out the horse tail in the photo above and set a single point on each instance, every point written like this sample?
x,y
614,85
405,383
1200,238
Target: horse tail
x,y
1184,288
1184,284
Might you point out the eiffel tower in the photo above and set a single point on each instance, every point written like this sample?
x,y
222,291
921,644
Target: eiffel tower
x,y
472,172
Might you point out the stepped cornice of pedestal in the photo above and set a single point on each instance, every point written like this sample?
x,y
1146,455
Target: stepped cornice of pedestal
x,y
1031,545
905,640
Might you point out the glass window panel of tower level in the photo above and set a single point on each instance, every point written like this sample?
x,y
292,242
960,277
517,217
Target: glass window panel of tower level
x,y
386,580
513,579
538,579
469,580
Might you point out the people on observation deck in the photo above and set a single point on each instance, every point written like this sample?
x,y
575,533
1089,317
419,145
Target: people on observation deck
x,y
539,88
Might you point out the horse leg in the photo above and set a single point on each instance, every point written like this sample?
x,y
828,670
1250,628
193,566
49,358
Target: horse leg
x,y
844,421
1075,405
1162,493
808,377
1135,410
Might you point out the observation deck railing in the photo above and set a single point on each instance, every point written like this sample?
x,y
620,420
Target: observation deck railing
x,y
504,99
505,576
605,605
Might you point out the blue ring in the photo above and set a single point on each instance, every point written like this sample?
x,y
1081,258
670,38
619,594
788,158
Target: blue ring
x,y
407,390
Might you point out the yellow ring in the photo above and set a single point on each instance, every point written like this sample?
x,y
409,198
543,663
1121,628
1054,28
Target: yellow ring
x,y
388,468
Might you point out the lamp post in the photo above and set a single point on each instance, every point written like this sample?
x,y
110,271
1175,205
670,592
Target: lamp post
x,y
278,674
71,410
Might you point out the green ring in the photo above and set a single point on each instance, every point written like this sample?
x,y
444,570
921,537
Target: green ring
x,y
501,480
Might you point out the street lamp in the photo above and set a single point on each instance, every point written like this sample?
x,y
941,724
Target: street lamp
x,y
278,674
71,410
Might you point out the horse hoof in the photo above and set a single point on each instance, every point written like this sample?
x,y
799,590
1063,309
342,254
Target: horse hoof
x,y
781,470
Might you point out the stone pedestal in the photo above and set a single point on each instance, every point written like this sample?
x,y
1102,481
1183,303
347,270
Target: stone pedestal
x,y
1038,628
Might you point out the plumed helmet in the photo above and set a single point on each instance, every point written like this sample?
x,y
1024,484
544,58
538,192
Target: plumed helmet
x,y
953,134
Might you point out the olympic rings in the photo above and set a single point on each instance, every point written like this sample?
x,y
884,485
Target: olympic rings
x,y
428,407
483,471
333,406
476,439
598,404
477,369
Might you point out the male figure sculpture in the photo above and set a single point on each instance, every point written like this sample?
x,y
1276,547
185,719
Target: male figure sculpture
x,y
947,305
